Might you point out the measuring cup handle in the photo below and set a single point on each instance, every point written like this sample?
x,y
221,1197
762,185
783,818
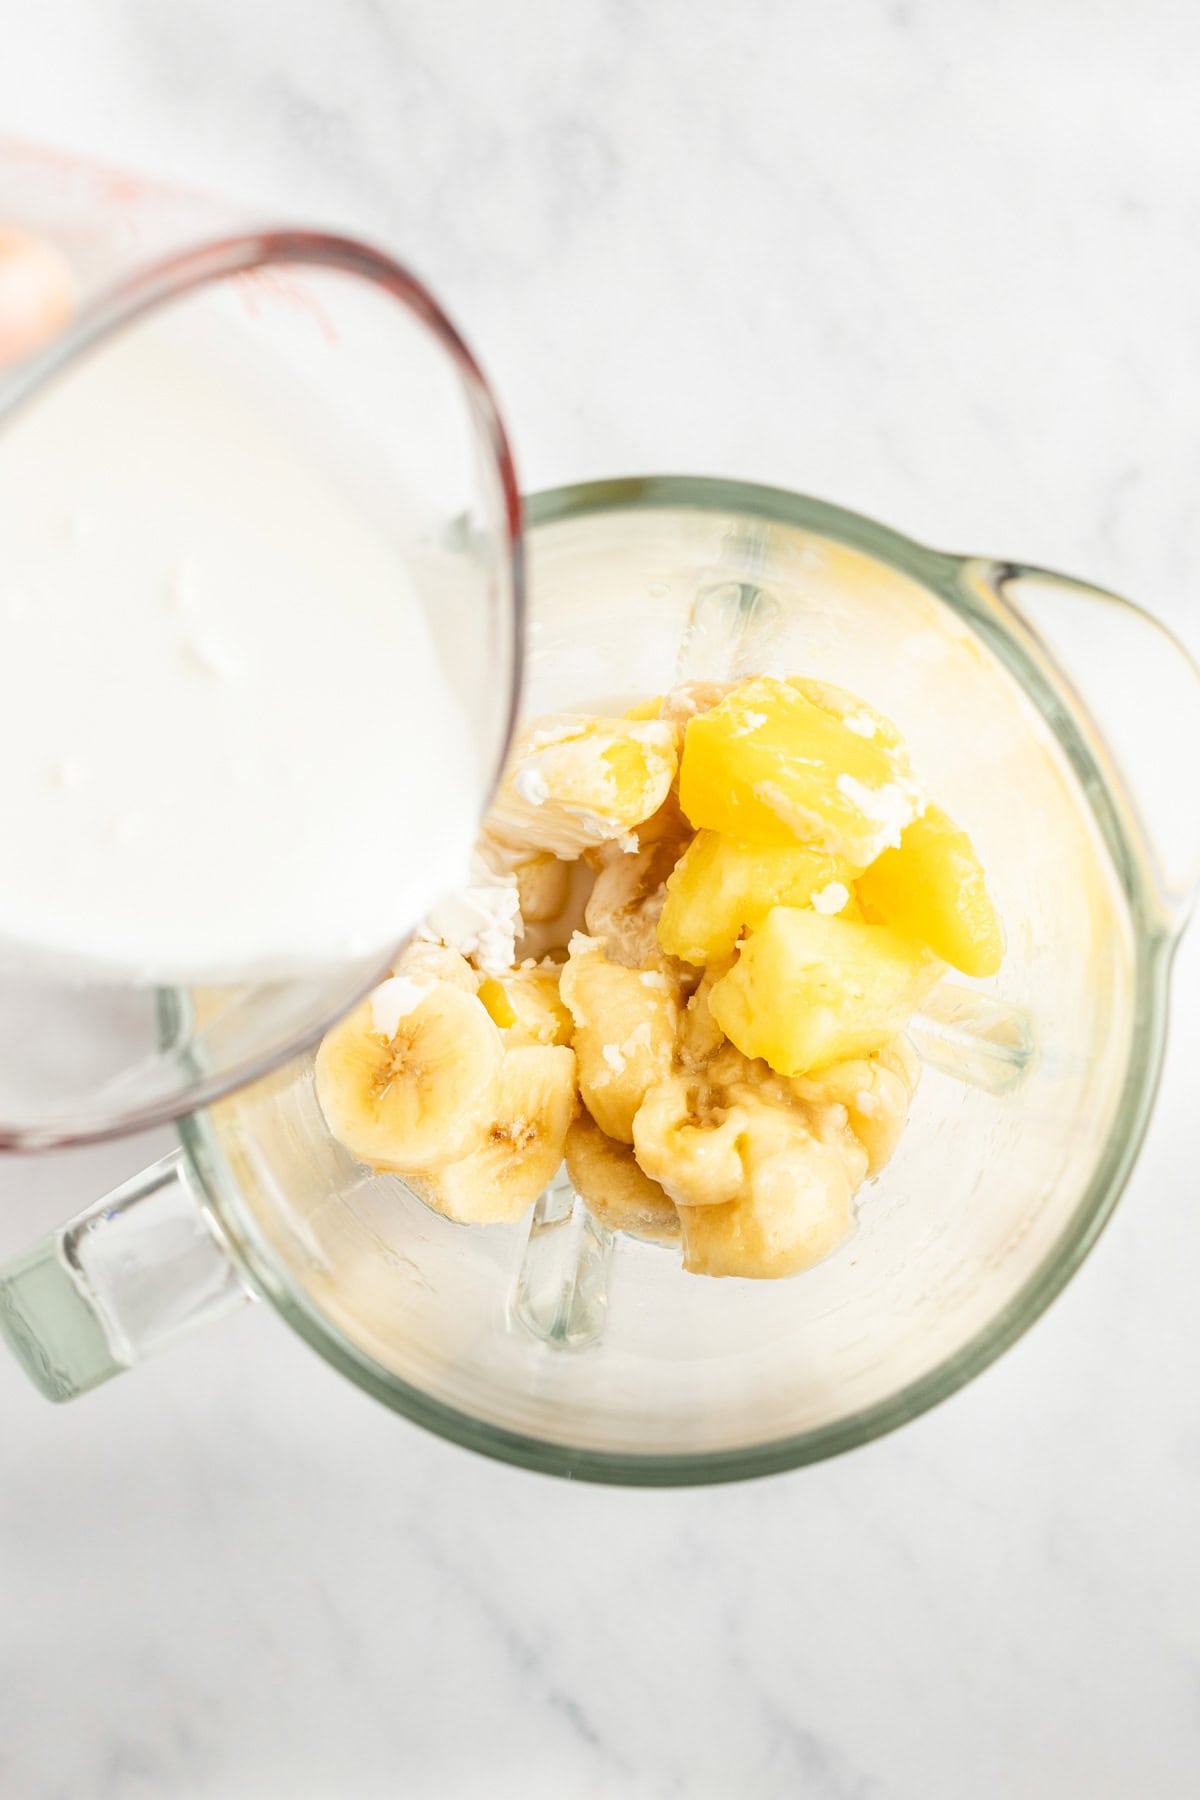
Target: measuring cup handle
x,y
142,1268
1141,689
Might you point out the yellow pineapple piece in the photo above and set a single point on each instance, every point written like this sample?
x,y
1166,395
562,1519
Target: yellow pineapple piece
x,y
500,1008
767,765
720,889
646,709
932,889
854,713
807,991
576,780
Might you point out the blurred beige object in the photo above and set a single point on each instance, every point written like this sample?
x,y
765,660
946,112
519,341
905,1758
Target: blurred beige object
x,y
37,293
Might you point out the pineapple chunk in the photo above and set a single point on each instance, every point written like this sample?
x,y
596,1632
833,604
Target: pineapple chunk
x,y
500,1008
932,889
720,889
808,991
576,781
768,765
645,709
853,713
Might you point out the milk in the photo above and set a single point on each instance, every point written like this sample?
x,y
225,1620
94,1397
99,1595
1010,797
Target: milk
x,y
227,746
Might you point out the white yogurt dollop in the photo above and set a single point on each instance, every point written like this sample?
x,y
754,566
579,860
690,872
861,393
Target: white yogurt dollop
x,y
227,747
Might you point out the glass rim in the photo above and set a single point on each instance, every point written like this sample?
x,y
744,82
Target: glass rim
x,y
1040,680
150,285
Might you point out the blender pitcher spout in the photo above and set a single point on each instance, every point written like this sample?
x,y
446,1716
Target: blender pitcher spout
x,y
1140,688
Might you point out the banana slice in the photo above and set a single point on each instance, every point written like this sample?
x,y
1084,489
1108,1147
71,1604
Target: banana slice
x,y
626,903
576,780
607,1179
687,1140
410,1079
875,1093
543,880
700,1037
762,1181
425,962
543,937
527,1006
795,1209
625,1025
544,885
522,1144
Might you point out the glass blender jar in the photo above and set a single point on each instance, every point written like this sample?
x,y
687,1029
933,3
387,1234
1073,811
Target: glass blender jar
x,y
550,1343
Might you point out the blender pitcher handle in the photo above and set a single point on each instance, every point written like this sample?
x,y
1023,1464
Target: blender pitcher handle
x,y
137,1271
1142,689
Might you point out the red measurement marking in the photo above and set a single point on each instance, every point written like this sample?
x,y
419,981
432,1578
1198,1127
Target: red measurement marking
x,y
260,287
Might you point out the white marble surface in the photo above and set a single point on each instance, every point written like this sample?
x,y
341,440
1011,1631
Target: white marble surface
x,y
939,261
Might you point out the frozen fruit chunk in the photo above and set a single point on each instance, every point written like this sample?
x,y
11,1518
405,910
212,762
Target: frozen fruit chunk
x,y
768,765
932,889
625,1026
874,1092
720,889
526,1005
606,1176
794,1211
645,709
808,990
576,780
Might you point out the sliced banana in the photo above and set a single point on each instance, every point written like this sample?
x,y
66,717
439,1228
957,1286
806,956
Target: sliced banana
x,y
763,1182
700,1037
422,961
527,1006
543,937
689,1141
875,1093
794,1210
544,884
577,780
625,1025
419,1094
626,903
522,1143
608,1180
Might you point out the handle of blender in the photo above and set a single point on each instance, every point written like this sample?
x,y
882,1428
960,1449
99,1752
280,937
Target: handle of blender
x,y
1142,689
139,1270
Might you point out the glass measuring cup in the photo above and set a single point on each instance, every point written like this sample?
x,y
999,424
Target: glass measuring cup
x,y
357,373
549,1343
